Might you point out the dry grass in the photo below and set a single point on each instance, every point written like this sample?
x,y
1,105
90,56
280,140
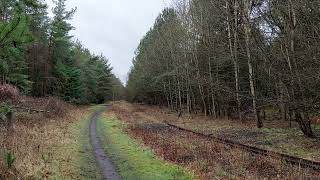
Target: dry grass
x,y
209,160
275,136
8,93
33,140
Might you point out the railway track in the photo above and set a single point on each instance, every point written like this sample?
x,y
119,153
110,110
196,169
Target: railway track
x,y
289,159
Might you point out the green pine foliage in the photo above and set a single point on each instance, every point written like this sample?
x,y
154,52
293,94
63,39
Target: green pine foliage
x,y
14,33
38,55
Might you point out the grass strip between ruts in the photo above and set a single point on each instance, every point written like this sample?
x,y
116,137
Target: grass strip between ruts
x,y
131,159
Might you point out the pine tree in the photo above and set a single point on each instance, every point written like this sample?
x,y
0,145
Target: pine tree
x,y
14,35
38,56
60,50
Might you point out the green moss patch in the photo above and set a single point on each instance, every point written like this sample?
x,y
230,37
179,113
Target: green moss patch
x,y
131,159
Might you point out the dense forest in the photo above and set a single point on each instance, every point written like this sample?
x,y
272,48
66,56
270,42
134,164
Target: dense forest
x,y
235,58
218,89
39,56
239,59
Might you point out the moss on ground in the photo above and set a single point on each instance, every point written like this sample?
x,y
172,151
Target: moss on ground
x,y
75,159
131,160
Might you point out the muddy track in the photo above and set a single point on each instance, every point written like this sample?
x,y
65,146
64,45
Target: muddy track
x,y
290,159
107,169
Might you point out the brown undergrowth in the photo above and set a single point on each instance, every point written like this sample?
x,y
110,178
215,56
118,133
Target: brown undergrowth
x,y
209,160
32,139
275,136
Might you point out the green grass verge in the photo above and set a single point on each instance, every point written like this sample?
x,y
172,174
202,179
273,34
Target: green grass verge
x,y
75,159
131,159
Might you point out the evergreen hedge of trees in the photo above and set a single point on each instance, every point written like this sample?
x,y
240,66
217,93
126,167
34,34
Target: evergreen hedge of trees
x,y
38,55
235,58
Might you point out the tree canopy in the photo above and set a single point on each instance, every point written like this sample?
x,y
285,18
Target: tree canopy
x,y
40,57
230,58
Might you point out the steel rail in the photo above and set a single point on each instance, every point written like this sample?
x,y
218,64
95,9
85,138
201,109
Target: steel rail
x,y
288,158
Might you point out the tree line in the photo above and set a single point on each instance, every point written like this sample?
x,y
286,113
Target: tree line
x,y
235,58
38,55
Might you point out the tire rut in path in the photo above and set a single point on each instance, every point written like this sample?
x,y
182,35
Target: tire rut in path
x,y
107,169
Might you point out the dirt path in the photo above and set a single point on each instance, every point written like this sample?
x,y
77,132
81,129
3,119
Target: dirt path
x,y
106,167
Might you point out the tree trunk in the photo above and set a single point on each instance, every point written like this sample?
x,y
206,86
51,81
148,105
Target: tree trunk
x,y
213,109
282,104
298,97
234,52
247,28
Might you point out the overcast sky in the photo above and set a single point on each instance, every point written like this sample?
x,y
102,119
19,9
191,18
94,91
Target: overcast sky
x,y
114,27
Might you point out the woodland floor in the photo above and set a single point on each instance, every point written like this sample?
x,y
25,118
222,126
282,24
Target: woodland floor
x,y
210,160
60,148
50,147
276,135
141,146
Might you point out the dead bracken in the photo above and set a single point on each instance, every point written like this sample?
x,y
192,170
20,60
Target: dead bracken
x,y
207,158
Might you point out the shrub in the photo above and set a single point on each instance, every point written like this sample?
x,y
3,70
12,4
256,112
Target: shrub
x,y
8,93
5,113
55,107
